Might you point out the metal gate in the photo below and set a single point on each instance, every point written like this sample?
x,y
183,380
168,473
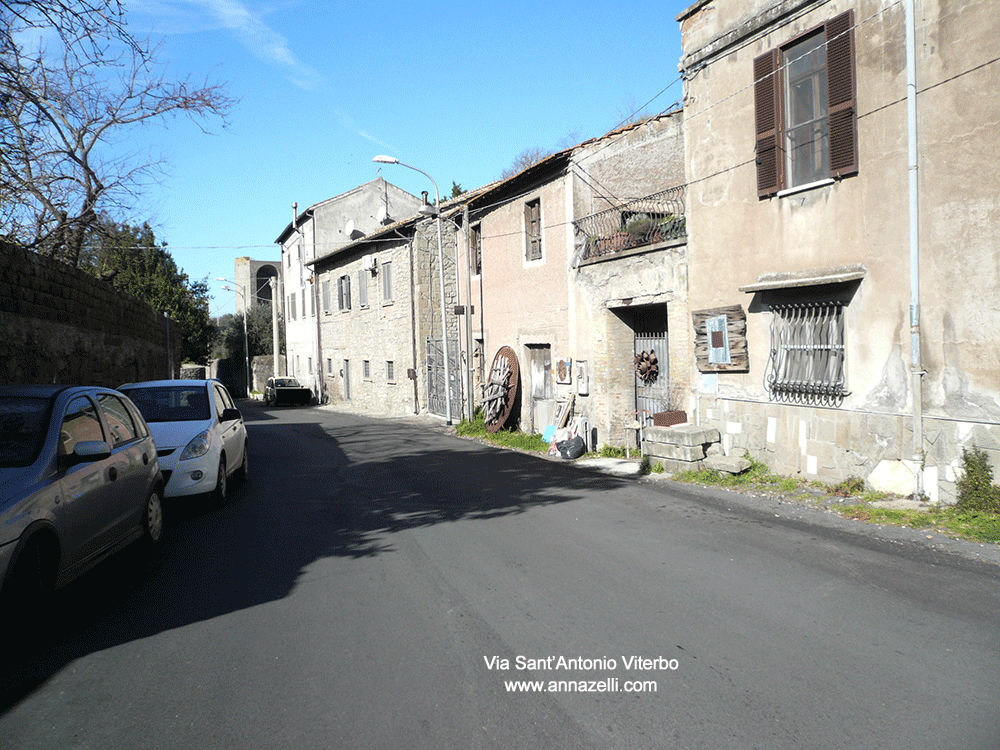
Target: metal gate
x,y
436,402
650,327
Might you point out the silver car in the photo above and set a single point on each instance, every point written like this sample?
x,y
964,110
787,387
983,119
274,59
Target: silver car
x,y
79,480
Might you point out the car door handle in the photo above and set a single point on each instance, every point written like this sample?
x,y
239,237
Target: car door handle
x,y
112,473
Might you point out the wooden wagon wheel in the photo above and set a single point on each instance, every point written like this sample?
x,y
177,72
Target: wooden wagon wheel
x,y
501,390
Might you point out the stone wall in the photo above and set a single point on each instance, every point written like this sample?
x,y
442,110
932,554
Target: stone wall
x,y
61,325
832,444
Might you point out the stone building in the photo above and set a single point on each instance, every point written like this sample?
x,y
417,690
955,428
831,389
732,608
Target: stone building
x,y
318,231
864,304
255,276
380,317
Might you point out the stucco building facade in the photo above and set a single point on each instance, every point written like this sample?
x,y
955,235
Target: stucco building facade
x,y
868,344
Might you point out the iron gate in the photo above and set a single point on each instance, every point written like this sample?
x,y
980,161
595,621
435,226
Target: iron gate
x,y
436,402
650,327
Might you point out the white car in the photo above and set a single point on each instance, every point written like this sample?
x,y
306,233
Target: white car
x,y
201,440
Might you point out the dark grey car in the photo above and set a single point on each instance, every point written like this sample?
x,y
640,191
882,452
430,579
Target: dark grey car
x,y
79,480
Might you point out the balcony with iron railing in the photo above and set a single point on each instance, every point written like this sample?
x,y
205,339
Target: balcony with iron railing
x,y
636,223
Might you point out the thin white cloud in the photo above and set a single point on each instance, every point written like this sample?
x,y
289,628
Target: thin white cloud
x,y
347,123
186,16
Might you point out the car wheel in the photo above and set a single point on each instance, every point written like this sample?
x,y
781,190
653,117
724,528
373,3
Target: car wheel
x,y
245,466
152,519
221,483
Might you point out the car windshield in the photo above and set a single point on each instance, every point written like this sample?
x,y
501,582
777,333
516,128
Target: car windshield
x,y
286,383
23,425
171,403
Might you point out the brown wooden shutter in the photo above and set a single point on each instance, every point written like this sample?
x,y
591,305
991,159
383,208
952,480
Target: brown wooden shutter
x,y
842,95
767,116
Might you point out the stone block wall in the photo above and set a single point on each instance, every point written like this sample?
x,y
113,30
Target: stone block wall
x,y
830,445
61,325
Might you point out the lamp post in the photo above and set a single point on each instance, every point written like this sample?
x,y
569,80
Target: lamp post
x,y
444,320
246,345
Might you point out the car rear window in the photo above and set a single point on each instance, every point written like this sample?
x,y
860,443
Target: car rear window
x,y
23,425
171,403
287,383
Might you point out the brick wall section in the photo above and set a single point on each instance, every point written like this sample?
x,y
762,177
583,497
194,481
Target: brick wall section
x,y
62,325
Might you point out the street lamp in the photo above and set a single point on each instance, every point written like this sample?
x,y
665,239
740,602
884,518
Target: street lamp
x,y
246,345
382,159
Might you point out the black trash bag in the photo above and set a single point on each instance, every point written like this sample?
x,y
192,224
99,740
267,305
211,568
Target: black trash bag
x,y
572,448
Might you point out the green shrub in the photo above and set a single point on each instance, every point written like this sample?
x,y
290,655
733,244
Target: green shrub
x,y
847,488
976,490
612,451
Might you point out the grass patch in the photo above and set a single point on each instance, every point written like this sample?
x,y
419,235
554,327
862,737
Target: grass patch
x,y
757,474
975,526
505,438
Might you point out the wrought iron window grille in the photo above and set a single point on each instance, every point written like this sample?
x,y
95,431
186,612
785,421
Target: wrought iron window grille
x,y
807,352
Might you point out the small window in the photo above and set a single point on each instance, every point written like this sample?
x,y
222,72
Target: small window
x,y
309,361
81,423
362,288
344,293
390,371
807,350
302,308
329,366
291,305
120,422
366,369
476,240
533,229
326,296
387,281
220,402
718,340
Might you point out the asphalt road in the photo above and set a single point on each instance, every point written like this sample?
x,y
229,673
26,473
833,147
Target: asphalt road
x,y
378,584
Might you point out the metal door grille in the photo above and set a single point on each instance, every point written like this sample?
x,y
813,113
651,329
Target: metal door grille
x,y
436,402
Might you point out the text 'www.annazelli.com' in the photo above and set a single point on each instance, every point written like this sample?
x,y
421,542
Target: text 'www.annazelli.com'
x,y
609,685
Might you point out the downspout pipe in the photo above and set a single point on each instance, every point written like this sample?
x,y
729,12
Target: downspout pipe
x,y
916,366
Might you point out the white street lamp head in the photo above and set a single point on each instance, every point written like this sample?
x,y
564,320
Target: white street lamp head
x,y
382,159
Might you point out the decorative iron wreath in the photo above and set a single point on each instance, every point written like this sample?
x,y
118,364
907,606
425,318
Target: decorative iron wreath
x,y
647,367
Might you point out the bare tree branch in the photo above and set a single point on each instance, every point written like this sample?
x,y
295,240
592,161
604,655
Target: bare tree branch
x,y
61,117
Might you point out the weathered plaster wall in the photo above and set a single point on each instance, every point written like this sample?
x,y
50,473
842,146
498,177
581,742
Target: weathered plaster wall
x,y
734,237
527,302
61,325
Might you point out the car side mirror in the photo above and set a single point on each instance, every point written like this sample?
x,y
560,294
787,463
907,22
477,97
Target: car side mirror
x,y
86,451
229,415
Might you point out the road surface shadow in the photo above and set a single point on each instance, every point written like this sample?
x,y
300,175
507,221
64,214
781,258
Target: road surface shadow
x,y
321,485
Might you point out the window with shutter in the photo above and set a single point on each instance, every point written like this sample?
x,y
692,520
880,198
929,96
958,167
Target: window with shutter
x,y
533,229
326,296
362,289
476,240
387,281
805,109
344,292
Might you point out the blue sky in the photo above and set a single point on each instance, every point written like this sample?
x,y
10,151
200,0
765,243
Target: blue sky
x,y
457,89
